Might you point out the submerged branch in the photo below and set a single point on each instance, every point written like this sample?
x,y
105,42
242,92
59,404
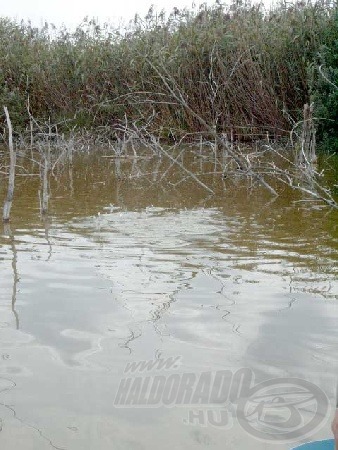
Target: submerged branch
x,y
150,140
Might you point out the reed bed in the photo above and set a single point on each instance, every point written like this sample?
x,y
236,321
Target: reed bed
x,y
246,71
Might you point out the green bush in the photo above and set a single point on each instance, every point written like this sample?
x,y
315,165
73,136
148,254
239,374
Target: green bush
x,y
326,89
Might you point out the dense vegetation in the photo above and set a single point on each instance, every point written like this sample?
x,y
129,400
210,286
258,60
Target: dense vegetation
x,y
325,89
244,70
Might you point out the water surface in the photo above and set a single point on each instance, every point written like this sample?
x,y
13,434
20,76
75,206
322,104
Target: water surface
x,y
130,267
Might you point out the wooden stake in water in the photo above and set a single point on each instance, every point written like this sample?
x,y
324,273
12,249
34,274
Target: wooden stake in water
x,y
307,152
45,184
12,163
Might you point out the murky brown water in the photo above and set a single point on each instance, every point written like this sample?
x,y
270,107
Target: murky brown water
x,y
129,268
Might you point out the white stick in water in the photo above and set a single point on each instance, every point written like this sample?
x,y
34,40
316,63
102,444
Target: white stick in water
x,y
11,180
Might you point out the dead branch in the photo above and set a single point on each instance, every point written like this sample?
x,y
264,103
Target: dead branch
x,y
177,94
300,178
326,78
